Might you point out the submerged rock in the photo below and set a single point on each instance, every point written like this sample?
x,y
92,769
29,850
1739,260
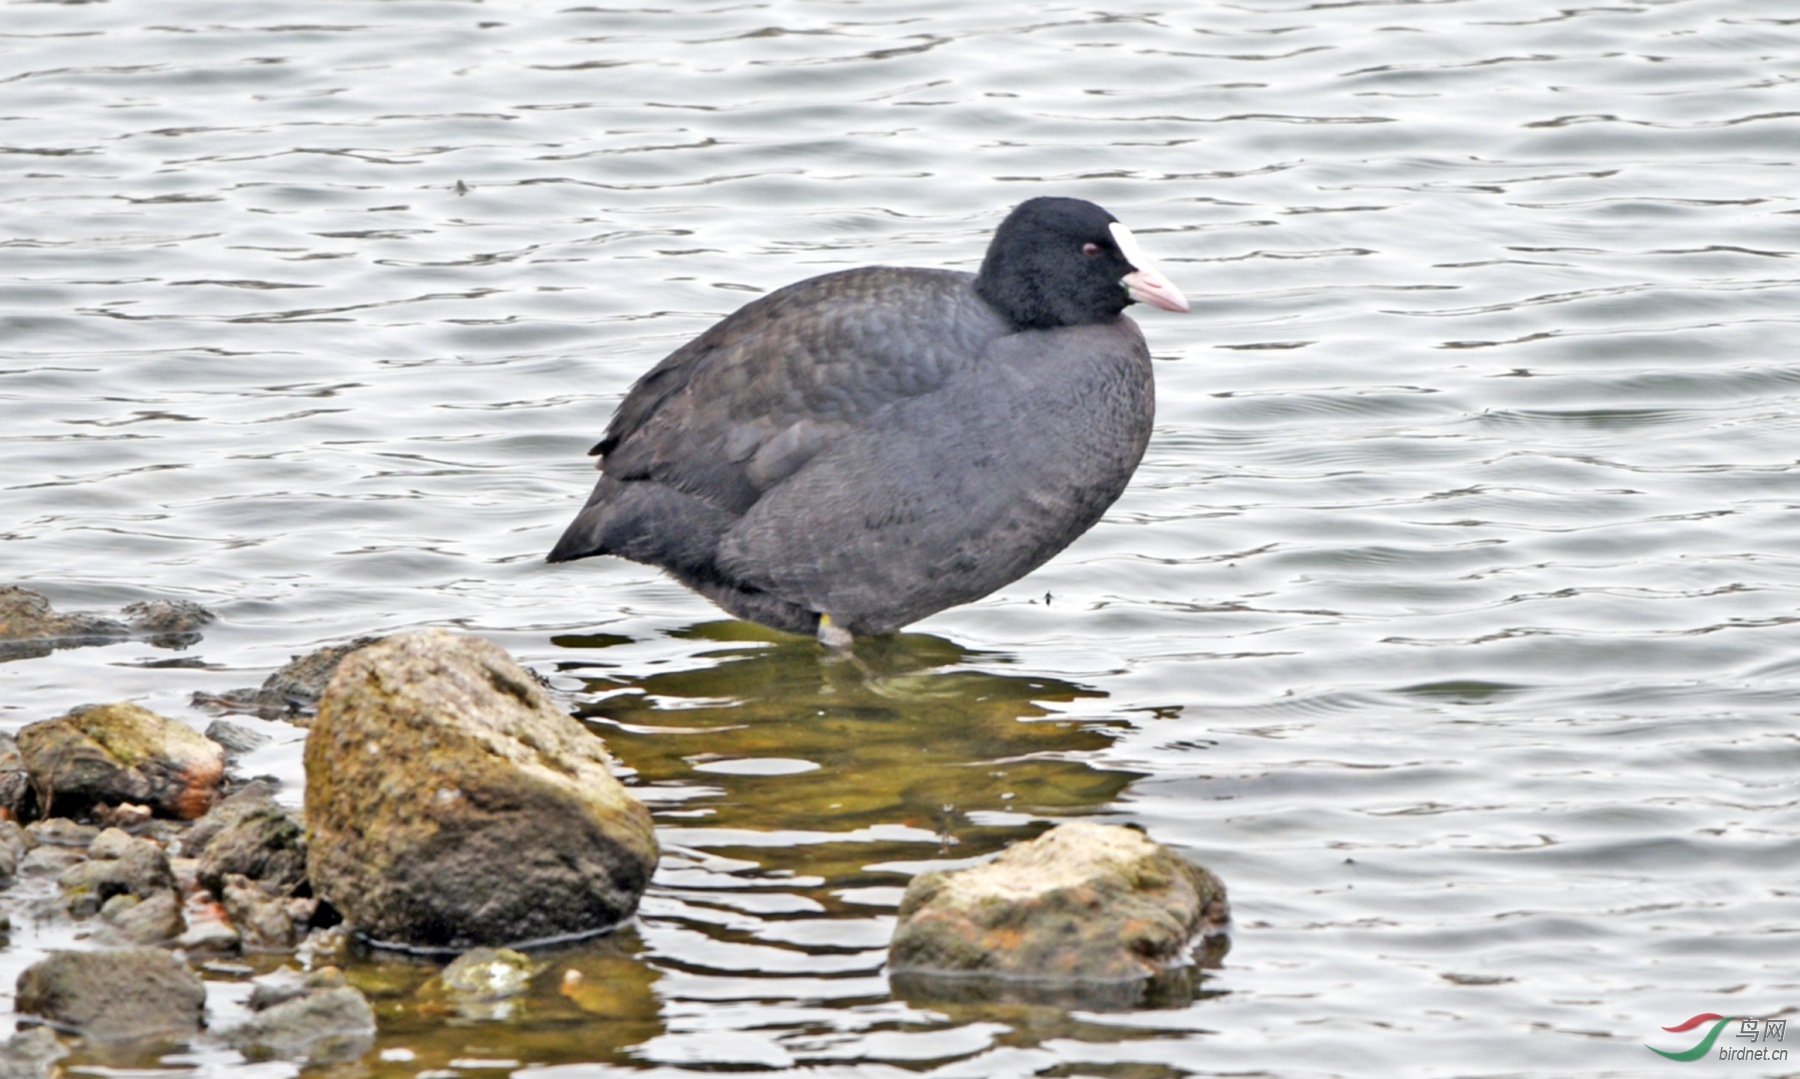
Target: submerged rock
x,y
114,994
167,623
1082,902
487,974
482,985
110,754
450,803
293,691
30,627
319,1020
289,984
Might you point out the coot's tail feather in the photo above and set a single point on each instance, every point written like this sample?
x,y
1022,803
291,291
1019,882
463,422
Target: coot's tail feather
x,y
646,522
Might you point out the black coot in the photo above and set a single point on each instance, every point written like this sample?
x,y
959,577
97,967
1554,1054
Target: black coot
x,y
859,450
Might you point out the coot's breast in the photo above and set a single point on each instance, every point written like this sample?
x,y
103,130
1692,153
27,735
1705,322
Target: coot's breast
x,y
945,497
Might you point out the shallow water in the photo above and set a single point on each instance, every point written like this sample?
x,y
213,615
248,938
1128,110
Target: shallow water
x,y
1449,618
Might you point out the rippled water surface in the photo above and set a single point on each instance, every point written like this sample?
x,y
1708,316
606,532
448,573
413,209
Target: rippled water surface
x,y
1450,618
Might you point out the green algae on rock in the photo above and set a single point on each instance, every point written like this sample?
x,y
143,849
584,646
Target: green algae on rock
x,y
112,754
484,974
1082,902
450,803
481,985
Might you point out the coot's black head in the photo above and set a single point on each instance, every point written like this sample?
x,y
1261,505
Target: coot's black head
x,y
1066,262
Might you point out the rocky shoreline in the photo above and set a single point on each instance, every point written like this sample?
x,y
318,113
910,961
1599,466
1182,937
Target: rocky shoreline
x,y
450,804
451,809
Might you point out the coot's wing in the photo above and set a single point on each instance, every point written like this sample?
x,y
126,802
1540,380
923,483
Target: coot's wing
x,y
740,408
940,500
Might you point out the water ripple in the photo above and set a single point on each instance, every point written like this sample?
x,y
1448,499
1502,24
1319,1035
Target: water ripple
x,y
1449,617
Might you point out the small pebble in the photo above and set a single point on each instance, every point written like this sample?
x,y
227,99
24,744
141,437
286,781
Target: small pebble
x,y
235,737
207,929
123,815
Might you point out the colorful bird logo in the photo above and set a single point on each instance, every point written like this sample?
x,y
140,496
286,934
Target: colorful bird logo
x,y
1718,1023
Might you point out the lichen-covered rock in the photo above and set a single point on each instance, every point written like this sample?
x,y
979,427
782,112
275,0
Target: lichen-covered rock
x,y
450,803
252,835
293,691
1082,902
113,753
320,1026
114,994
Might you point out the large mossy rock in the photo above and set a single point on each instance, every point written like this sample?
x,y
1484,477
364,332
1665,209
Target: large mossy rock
x,y
113,754
1082,902
117,994
450,803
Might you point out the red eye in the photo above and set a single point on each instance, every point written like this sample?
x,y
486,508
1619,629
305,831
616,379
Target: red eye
x,y
1090,249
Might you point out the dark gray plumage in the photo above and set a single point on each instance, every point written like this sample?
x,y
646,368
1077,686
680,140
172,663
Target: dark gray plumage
x,y
878,444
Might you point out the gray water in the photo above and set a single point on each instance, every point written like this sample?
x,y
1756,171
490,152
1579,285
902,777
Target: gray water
x,y
1450,618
